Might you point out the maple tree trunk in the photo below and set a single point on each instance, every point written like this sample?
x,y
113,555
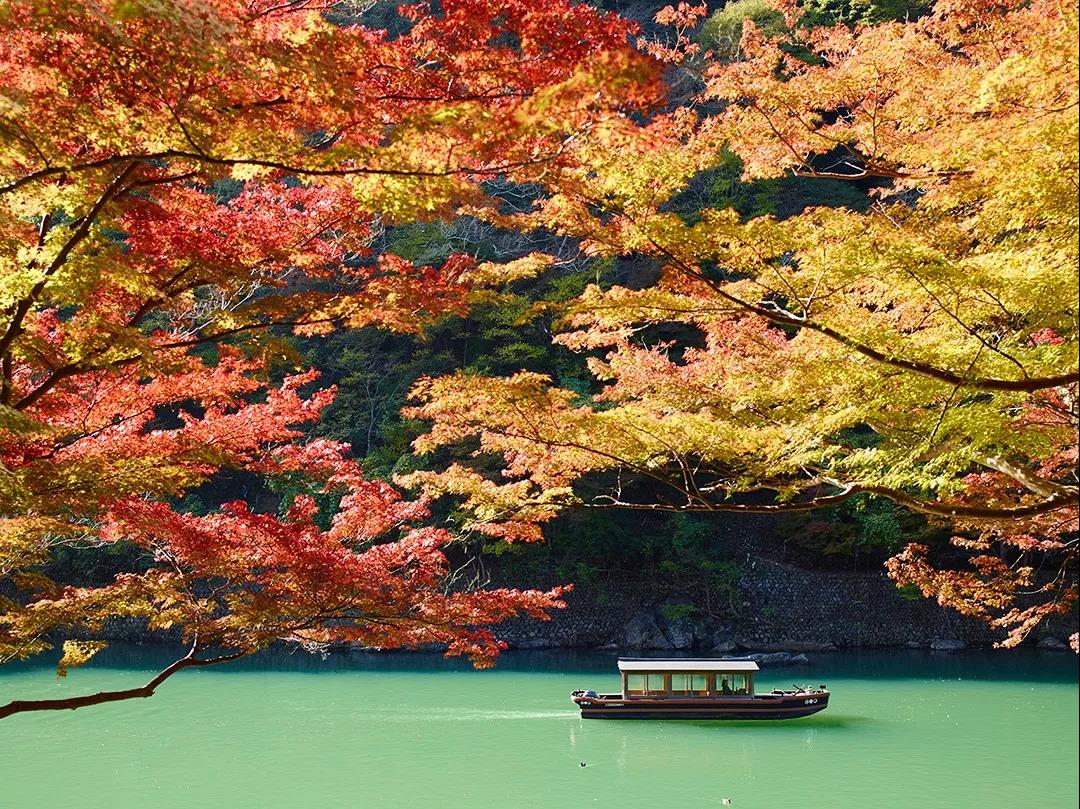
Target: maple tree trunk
x,y
147,690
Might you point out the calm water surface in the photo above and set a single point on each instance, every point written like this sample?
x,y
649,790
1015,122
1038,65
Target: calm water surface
x,y
905,730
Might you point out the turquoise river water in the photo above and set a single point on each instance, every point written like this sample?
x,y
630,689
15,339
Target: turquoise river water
x,y
904,730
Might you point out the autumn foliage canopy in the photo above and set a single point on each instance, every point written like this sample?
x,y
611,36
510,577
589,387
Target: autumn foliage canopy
x,y
185,184
182,183
922,348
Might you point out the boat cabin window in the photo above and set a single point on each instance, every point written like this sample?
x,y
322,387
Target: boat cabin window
x,y
727,684
635,685
647,684
656,683
689,684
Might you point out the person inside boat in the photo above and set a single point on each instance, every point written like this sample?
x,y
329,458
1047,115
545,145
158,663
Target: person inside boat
x,y
724,687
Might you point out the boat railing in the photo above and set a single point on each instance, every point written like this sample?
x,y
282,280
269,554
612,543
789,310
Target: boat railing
x,y
795,690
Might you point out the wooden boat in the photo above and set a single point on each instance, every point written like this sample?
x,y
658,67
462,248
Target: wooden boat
x,y
696,688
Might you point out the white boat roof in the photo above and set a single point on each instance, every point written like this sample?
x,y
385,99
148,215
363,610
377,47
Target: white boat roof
x,y
685,664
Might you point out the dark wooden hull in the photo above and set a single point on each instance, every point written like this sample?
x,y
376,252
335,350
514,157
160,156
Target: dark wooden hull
x,y
763,706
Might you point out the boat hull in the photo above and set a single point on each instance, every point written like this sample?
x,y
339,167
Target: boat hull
x,y
758,707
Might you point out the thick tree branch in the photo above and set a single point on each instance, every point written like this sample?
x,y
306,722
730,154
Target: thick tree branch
x,y
1033,483
939,509
71,703
745,508
976,513
276,165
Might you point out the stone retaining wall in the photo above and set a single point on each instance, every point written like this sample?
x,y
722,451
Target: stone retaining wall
x,y
785,608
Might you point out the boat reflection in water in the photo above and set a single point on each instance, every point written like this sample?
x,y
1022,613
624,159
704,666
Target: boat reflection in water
x,y
696,688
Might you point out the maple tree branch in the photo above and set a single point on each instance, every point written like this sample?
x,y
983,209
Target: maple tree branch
x,y
221,335
868,169
956,317
72,703
1033,483
50,171
1055,496
297,5
82,367
747,508
487,95
48,384
641,468
949,401
19,310
276,165
1070,499
1027,385
6,371
165,180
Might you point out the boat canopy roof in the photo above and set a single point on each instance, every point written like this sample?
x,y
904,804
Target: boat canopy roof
x,y
684,664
